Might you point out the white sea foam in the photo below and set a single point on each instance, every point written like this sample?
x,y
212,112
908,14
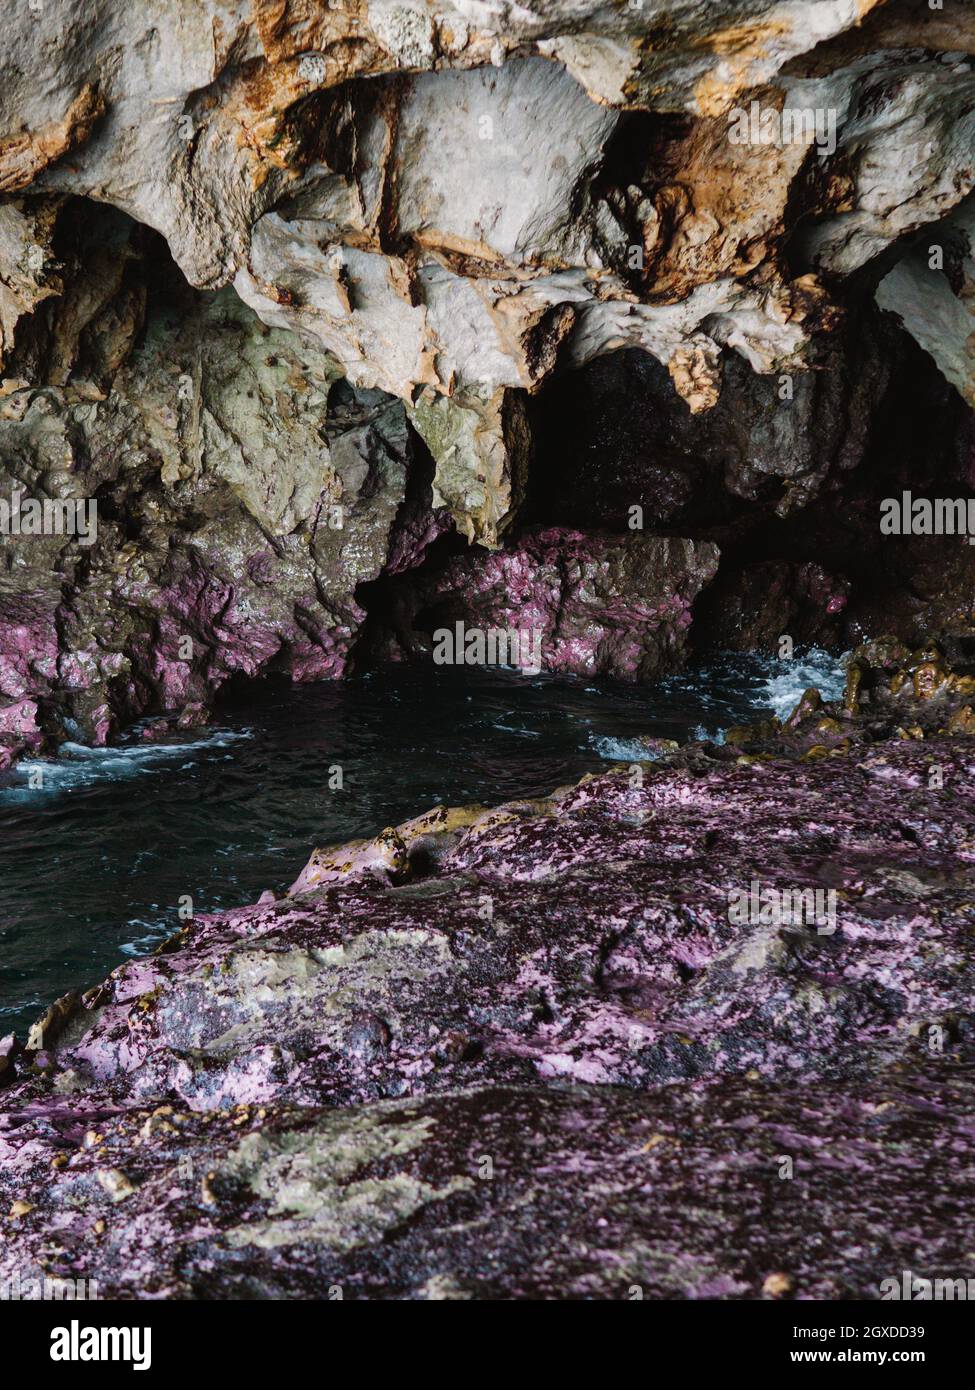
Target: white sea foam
x,y
733,690
623,750
81,766
703,735
787,680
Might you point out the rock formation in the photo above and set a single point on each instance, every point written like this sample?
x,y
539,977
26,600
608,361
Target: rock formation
x,y
452,207
615,323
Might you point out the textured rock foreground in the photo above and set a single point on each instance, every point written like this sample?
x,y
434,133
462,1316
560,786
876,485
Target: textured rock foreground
x,y
504,1192
554,993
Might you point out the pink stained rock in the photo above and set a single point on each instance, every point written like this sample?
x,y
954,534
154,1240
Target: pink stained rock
x,y
20,717
534,997
602,605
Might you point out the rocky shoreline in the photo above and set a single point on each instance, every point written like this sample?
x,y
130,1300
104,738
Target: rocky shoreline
x,y
528,1051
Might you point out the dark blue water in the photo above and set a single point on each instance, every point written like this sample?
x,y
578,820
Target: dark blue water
x,y
92,867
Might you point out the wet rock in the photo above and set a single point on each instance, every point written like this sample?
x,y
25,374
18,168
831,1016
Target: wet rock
x,y
751,608
512,1192
384,857
51,1025
566,196
343,1084
649,1036
618,606
586,936
236,517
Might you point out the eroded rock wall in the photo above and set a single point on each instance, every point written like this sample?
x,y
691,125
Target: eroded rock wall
x,y
236,514
461,213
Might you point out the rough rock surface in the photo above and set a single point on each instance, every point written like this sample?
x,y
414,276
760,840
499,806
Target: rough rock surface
x,y
356,321
600,604
540,1034
241,499
505,194
508,1192
454,208
587,938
